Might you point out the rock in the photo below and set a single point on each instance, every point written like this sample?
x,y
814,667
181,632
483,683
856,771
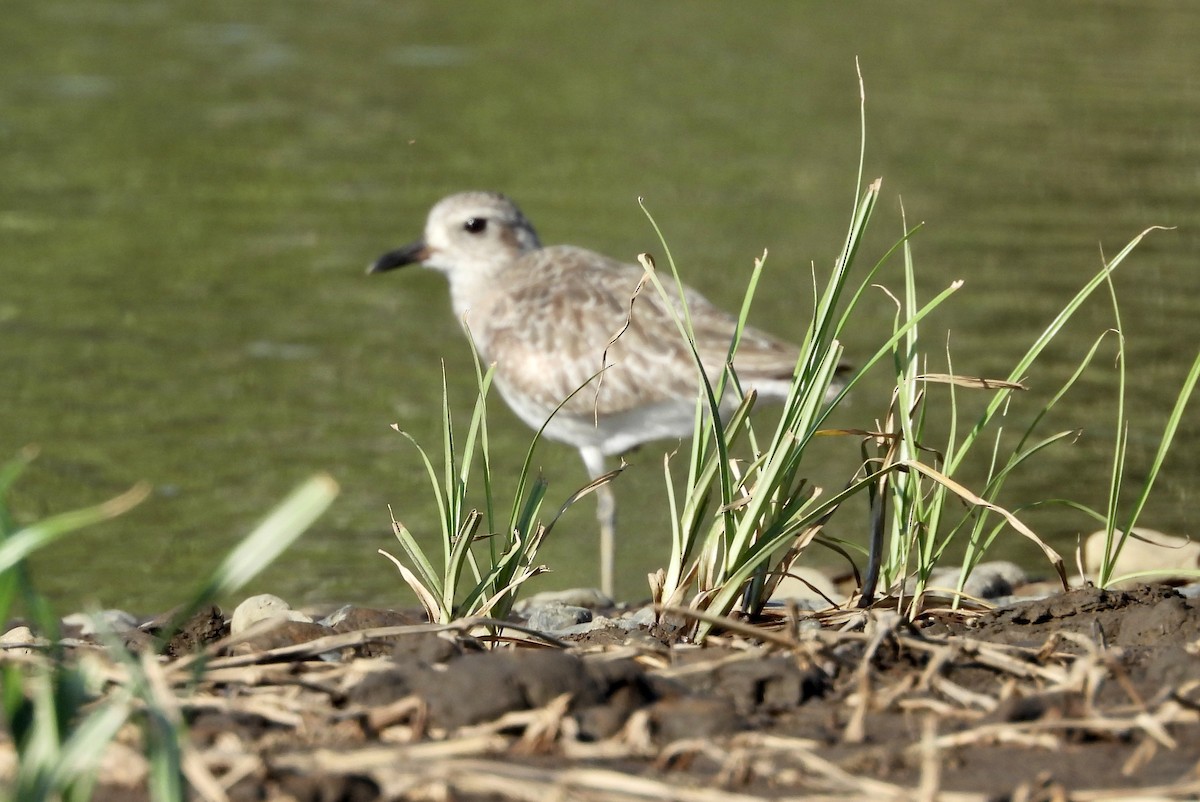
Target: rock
x,y
591,598
994,579
644,617
262,607
618,630
1189,591
1145,550
21,640
648,620
554,618
351,618
116,621
808,588
338,616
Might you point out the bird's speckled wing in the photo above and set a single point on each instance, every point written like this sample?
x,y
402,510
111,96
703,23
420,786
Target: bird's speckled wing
x,y
548,329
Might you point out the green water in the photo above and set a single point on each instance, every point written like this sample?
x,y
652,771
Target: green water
x,y
189,193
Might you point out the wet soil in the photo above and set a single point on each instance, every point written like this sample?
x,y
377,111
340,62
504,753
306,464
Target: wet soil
x,y
1088,695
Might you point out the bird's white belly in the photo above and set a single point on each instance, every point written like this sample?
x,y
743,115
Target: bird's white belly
x,y
609,434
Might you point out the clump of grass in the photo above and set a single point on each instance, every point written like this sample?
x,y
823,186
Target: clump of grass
x,y
491,585
59,727
767,515
1116,530
43,701
923,524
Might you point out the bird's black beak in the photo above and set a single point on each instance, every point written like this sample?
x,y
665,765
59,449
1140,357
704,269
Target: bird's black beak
x,y
412,254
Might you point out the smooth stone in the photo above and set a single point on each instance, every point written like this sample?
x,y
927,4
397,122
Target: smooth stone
x,y
21,640
989,580
337,616
117,621
798,586
556,618
351,618
1189,591
263,607
644,617
584,627
1172,555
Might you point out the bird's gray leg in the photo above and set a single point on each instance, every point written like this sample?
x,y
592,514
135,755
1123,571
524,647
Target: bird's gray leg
x,y
606,515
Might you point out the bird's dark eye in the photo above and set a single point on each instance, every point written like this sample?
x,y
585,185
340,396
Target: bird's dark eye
x,y
475,225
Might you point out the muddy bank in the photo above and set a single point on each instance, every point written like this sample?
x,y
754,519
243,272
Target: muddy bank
x,y
1086,695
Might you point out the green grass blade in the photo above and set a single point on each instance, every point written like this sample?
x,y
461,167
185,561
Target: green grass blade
x,y
459,553
483,384
81,752
1044,339
445,520
424,572
452,488
268,540
1164,445
23,542
727,594
430,601
1120,449
166,757
9,473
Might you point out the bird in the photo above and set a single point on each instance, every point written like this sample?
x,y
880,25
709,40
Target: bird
x,y
553,319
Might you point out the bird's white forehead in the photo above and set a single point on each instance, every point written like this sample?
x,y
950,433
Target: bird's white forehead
x,y
455,209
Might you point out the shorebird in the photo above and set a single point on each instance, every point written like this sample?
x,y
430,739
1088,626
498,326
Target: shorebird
x,y
554,319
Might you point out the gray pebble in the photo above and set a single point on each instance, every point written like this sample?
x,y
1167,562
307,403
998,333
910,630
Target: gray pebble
x,y
557,618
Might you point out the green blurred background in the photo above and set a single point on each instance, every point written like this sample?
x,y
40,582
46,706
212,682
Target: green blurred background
x,y
189,194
